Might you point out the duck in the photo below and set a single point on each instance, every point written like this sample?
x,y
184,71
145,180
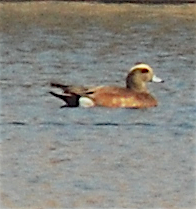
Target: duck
x,y
134,95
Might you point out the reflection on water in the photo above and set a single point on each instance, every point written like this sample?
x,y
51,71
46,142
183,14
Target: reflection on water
x,y
97,157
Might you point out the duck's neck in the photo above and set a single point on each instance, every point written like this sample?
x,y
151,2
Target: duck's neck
x,y
136,85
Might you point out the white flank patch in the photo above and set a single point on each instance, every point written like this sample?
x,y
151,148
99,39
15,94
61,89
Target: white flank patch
x,y
86,102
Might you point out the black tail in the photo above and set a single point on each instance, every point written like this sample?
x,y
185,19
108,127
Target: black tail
x,y
71,100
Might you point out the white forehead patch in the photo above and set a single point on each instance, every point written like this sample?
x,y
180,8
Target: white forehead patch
x,y
141,66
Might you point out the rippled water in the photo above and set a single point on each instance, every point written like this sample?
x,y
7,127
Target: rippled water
x,y
97,157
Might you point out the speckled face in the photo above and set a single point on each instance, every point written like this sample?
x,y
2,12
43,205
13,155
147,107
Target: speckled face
x,y
142,72
139,75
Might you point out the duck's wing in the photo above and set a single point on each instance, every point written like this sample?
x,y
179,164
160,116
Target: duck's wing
x,y
72,89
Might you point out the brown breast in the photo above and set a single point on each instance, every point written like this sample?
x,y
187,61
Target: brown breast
x,y
124,98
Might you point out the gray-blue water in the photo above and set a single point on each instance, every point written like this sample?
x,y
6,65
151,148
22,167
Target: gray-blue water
x,y
97,157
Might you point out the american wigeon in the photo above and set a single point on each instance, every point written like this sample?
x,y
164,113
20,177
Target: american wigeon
x,y
134,95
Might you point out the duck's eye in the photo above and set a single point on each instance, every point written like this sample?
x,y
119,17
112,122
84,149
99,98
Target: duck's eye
x,y
145,71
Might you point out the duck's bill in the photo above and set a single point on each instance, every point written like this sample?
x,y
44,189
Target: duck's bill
x,y
157,79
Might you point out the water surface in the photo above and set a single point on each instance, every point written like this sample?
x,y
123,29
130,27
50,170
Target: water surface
x,y
97,157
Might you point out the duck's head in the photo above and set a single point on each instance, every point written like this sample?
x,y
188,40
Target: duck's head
x,y
139,75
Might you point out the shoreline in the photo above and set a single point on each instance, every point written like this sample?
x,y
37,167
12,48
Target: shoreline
x,y
114,1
